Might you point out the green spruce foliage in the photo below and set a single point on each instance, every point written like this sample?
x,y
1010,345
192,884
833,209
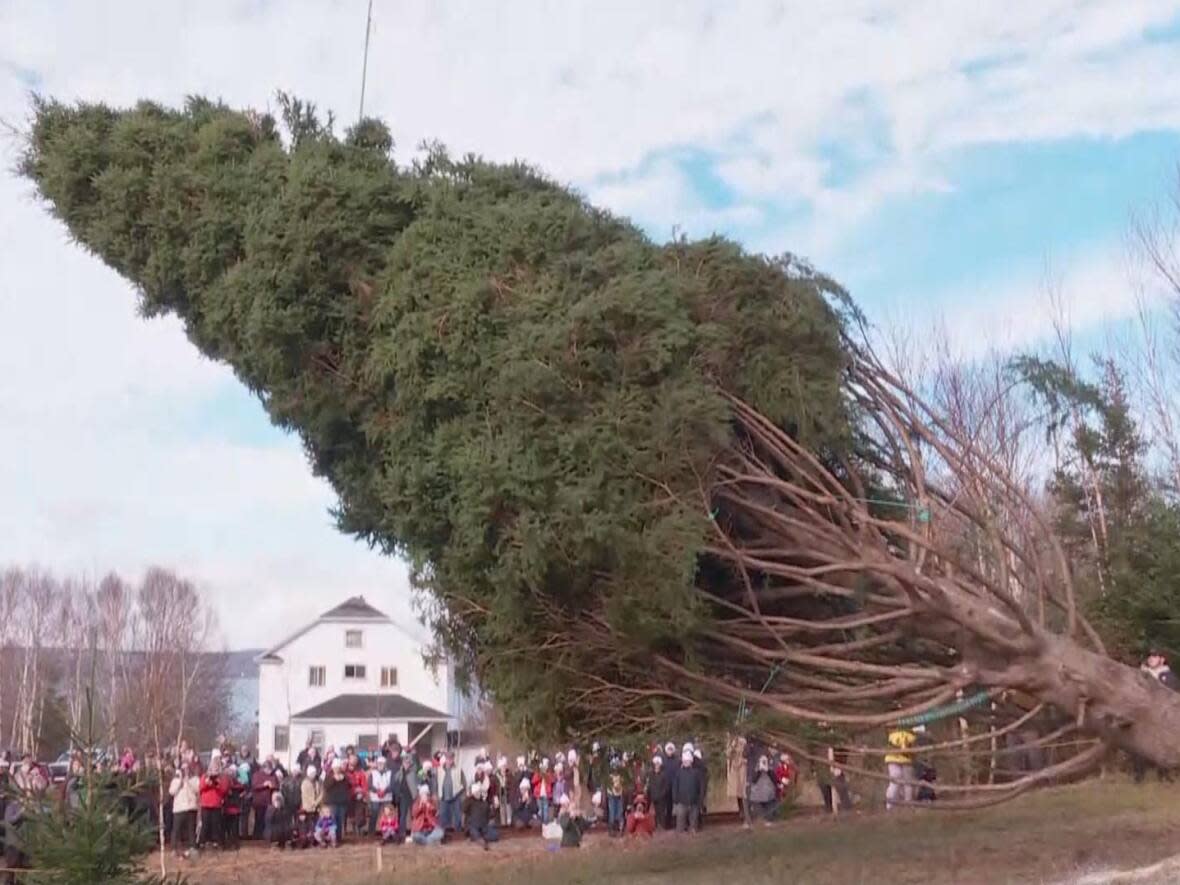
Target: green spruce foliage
x,y
86,837
1119,527
516,391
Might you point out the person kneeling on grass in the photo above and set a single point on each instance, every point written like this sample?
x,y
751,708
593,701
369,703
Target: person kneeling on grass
x,y
641,821
387,824
424,828
572,825
325,828
479,815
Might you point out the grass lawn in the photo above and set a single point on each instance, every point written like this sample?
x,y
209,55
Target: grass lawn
x,y
1053,836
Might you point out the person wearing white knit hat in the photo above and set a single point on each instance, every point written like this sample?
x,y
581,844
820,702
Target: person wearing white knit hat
x,y
424,828
687,792
523,810
478,814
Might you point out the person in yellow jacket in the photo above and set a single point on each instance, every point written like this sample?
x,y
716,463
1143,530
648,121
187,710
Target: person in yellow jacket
x,y
900,766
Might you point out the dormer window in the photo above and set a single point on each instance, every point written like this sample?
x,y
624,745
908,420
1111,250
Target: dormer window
x,y
353,639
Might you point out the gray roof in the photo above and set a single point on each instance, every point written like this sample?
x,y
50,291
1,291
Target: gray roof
x,y
352,609
355,607
371,706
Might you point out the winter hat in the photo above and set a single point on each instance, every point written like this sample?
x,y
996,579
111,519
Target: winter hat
x,y
688,747
669,748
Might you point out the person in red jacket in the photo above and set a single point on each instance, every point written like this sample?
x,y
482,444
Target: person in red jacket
x,y
543,790
641,821
213,786
785,774
424,828
236,782
358,780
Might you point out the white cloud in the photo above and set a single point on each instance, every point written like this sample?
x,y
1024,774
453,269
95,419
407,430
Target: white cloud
x,y
89,475
1012,313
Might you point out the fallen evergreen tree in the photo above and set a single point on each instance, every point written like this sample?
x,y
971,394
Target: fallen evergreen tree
x,y
643,487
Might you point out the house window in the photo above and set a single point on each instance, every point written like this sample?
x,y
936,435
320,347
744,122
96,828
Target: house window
x,y
316,736
282,739
352,638
389,677
315,676
367,743
354,671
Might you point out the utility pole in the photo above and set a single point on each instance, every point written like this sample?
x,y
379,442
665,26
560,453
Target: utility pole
x,y
365,63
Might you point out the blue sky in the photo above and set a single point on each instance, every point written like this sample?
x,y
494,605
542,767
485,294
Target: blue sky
x,y
933,157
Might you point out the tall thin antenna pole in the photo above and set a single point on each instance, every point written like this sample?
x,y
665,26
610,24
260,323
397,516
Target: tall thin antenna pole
x,y
365,64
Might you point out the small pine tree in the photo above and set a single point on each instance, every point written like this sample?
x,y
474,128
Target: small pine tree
x,y
90,841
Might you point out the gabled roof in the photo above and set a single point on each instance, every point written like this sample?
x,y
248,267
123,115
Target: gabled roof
x,y
352,609
387,707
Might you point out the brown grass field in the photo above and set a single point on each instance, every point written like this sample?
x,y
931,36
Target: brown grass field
x,y
1062,835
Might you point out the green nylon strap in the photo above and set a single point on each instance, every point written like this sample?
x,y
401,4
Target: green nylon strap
x,y
945,711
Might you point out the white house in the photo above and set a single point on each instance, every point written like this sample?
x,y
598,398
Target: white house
x,y
352,677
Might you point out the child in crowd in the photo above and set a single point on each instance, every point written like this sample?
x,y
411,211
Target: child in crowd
x,y
239,776
785,774
388,824
614,798
325,828
641,821
279,822
543,790
559,786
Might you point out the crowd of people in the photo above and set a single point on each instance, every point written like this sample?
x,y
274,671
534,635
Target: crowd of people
x,y
400,796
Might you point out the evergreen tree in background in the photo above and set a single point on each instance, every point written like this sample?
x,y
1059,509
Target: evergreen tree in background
x,y
1116,521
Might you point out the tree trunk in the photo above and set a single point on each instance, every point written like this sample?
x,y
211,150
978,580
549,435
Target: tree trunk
x,y
1120,704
